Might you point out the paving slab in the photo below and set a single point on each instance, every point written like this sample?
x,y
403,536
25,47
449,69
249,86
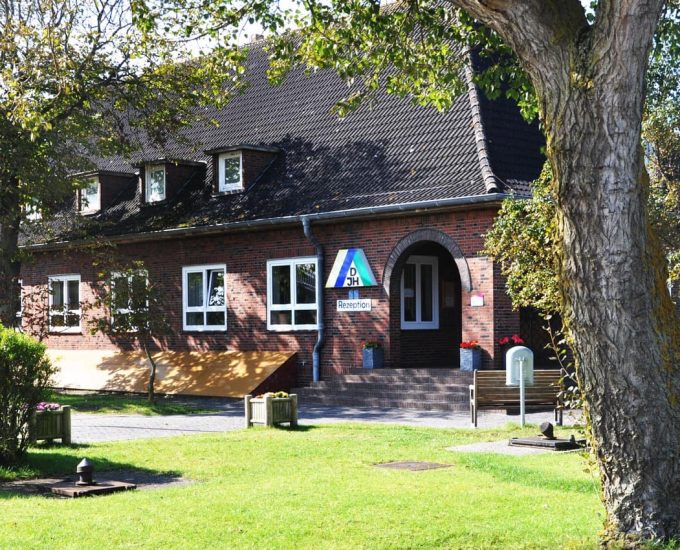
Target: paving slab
x,y
498,447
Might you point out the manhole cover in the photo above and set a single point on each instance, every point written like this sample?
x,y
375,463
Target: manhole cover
x,y
413,466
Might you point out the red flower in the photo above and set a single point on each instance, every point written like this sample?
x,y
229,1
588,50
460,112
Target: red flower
x,y
515,339
471,344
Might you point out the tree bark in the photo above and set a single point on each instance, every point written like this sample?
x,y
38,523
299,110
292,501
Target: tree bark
x,y
152,373
10,264
590,84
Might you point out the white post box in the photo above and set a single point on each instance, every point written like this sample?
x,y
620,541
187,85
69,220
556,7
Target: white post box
x,y
519,356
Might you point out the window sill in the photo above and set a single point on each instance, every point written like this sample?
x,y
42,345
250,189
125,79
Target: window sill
x,y
58,332
291,329
189,330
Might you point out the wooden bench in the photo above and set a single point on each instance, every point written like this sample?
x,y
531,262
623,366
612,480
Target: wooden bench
x,y
489,391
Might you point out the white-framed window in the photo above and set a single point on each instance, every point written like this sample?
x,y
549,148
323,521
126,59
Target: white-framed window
x,y
204,297
90,197
292,294
420,293
32,211
64,303
230,171
128,293
154,179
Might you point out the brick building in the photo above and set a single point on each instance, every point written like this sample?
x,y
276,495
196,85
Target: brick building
x,y
241,225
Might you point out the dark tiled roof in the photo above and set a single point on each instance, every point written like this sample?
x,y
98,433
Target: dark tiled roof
x,y
387,153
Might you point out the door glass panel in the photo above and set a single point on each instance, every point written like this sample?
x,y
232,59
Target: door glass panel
x,y
281,284
426,284
216,287
409,292
195,289
305,283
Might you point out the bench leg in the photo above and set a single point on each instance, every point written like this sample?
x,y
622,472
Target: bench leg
x,y
559,417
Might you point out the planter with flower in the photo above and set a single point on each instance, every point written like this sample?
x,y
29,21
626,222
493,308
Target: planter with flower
x,y
50,421
470,356
508,342
373,355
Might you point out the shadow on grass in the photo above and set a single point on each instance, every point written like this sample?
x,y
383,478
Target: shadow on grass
x,y
507,469
107,403
57,464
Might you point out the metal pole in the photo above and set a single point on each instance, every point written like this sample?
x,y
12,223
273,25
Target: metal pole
x,y
521,390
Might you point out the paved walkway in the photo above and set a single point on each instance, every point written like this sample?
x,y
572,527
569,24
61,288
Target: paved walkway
x,y
89,428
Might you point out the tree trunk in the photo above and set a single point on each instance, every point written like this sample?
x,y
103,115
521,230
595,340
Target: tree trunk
x,y
620,315
152,373
589,79
10,265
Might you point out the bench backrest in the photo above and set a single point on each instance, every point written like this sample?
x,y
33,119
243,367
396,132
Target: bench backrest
x,y
490,387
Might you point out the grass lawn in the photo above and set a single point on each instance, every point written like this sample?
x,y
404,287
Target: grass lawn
x,y
124,404
313,488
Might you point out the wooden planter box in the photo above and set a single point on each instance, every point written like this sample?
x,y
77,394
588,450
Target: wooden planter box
x,y
470,359
270,410
51,425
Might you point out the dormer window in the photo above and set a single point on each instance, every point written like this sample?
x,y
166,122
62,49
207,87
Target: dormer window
x,y
230,171
90,197
155,183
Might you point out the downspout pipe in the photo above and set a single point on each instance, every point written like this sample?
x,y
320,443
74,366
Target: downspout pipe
x,y
321,325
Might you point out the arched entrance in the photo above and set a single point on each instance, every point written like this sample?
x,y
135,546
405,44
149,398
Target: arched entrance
x,y
424,277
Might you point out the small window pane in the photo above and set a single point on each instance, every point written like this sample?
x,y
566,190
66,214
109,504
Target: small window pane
x,y
216,288
72,320
215,318
281,284
194,319
426,292
57,290
121,293
73,294
409,297
138,292
195,289
281,317
156,185
231,167
305,317
89,196
305,283
57,321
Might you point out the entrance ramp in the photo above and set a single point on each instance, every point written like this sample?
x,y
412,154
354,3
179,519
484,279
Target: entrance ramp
x,y
202,373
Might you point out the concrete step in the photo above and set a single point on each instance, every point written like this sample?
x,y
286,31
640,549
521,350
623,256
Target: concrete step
x,y
375,402
361,395
449,373
398,378
344,385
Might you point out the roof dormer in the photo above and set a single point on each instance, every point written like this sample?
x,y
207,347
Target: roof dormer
x,y
237,167
161,179
100,189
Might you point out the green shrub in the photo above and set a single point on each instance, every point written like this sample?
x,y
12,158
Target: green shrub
x,y
25,373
